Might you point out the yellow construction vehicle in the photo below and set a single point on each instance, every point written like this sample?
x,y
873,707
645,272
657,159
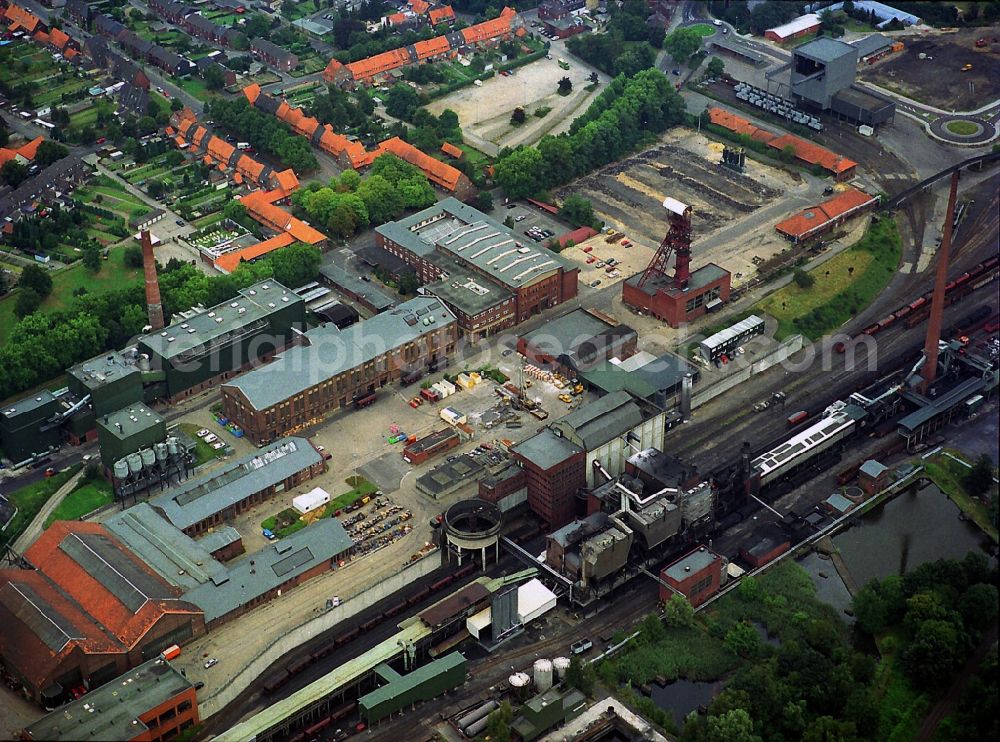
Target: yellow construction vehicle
x,y
565,398
578,389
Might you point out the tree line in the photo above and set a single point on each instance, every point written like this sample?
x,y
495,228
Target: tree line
x,y
624,116
43,345
264,132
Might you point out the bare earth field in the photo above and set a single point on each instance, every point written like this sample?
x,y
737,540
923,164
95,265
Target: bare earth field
x,y
734,215
938,80
485,111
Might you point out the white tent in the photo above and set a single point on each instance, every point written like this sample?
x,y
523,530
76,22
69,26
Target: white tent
x,y
315,498
533,600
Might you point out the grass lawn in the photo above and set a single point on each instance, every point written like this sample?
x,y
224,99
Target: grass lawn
x,y
289,521
962,128
119,193
88,496
703,29
202,451
875,258
113,275
791,302
194,86
948,474
30,499
86,117
208,220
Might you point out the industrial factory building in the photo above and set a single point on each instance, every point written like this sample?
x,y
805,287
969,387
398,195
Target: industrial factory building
x,y
127,431
334,368
23,428
453,243
223,592
697,576
208,346
88,612
822,78
206,502
153,701
560,460
686,295
578,341
590,550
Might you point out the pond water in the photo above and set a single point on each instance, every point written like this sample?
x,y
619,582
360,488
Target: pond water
x,y
682,697
917,526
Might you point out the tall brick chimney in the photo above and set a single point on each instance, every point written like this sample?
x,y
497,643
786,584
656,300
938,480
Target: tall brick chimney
x,y
929,371
152,283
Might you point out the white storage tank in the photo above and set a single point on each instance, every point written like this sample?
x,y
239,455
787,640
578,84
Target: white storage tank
x,y
543,675
121,469
161,451
148,457
134,463
172,447
560,665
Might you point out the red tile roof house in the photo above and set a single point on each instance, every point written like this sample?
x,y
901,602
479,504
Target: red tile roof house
x,y
89,611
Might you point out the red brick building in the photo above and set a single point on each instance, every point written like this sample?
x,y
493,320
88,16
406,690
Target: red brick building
x,y
707,290
455,243
555,469
150,703
697,575
431,445
769,544
89,611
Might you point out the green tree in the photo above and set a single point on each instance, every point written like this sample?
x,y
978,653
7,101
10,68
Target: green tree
x,y
296,264
935,652
716,67
36,278
132,257
519,173
580,676
787,154
92,259
215,77
578,211
678,613
49,152
979,479
565,86
733,726
408,283
803,279
518,116
13,173
634,59
652,630
978,606
484,201
28,300
743,639
402,101
681,44
498,725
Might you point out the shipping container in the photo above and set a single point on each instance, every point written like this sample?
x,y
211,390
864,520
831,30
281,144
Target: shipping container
x,y
171,652
364,400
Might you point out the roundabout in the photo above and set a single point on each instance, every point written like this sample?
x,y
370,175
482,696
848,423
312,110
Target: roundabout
x,y
963,130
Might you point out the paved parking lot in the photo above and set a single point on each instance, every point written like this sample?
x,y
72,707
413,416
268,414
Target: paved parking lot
x,y
533,217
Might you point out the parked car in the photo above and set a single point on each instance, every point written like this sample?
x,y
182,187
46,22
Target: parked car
x,y
211,662
50,472
590,259
203,432
520,218
268,534
595,284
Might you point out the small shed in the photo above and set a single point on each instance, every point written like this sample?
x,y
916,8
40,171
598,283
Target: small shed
x,y
311,500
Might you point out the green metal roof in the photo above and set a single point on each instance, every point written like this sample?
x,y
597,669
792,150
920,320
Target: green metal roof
x,y
410,632
133,419
405,683
546,449
27,404
596,423
110,712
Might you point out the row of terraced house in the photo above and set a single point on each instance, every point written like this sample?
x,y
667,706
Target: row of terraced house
x,y
372,69
352,153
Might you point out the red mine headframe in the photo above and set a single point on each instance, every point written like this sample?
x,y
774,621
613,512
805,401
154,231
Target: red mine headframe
x,y
677,242
153,303
929,370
